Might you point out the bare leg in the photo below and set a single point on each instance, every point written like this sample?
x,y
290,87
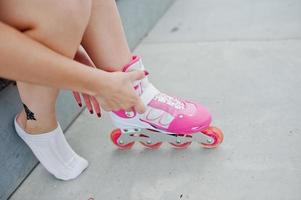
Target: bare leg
x,y
53,26
104,38
106,44
50,23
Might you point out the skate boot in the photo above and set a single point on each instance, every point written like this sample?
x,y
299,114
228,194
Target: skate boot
x,y
167,119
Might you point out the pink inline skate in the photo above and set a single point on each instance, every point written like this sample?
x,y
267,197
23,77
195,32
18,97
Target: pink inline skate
x,y
167,119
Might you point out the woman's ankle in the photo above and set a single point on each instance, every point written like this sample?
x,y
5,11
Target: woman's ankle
x,y
39,126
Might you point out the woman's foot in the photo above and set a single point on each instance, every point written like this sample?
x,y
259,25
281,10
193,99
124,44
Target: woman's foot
x,y
52,150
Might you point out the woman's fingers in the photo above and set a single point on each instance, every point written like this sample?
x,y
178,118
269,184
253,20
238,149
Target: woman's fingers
x,y
136,75
96,106
88,103
120,94
77,98
129,109
139,107
133,105
109,106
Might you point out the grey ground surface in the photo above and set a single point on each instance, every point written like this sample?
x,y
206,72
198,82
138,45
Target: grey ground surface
x,y
242,59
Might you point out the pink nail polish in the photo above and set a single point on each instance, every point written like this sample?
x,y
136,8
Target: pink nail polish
x,y
80,105
146,73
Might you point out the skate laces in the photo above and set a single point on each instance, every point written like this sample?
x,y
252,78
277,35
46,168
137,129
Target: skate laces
x,y
171,101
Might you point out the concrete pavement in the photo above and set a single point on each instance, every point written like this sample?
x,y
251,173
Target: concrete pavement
x,y
239,58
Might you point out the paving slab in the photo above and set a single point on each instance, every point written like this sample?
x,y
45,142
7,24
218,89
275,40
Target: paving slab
x,y
252,88
216,20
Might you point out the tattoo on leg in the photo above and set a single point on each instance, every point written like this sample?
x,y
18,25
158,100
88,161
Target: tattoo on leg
x,y
29,114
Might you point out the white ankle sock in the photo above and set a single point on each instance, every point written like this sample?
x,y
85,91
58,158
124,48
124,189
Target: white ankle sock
x,y
54,152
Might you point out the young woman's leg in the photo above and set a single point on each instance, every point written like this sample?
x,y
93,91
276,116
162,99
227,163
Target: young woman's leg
x,y
106,44
59,25
104,39
54,24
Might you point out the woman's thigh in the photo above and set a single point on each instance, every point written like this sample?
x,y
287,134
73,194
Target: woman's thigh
x,y
26,14
51,22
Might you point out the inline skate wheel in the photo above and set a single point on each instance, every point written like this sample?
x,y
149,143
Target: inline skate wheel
x,y
149,144
115,134
217,136
180,145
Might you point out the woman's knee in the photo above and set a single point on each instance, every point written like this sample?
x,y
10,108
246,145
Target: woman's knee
x,y
64,28
59,24
73,15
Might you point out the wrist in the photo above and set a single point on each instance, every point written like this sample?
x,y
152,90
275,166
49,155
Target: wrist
x,y
98,82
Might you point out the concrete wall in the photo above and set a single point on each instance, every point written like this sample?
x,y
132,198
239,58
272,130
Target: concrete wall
x,y
16,159
3,83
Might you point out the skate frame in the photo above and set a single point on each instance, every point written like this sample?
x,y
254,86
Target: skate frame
x,y
152,137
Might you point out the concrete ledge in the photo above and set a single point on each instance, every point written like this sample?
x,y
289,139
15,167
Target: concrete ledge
x,y
3,83
16,159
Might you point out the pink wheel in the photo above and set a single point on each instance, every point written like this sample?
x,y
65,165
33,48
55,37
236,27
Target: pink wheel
x,y
217,136
152,146
180,146
115,134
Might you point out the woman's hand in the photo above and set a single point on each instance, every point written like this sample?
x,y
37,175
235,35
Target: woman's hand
x,y
82,57
89,101
118,92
